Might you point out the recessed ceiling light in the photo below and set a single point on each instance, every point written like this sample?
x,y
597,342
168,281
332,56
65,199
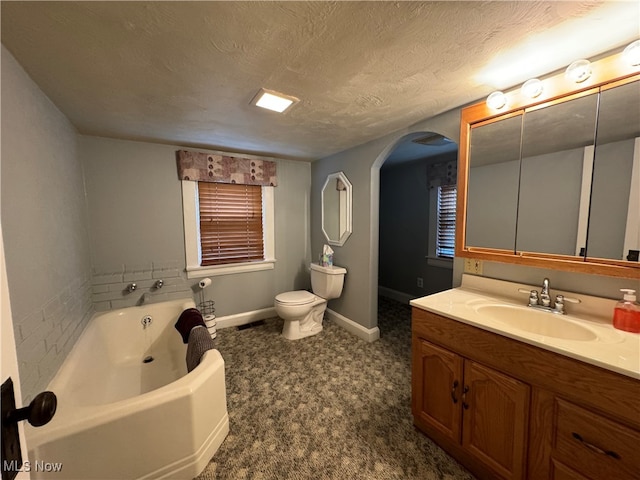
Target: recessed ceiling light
x,y
272,100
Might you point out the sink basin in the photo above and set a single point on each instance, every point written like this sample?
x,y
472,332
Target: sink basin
x,y
538,322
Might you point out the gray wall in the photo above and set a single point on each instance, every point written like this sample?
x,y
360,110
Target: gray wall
x,y
360,253
44,223
137,232
404,231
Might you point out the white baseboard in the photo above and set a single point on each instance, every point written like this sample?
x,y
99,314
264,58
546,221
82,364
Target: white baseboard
x,y
367,334
395,295
245,317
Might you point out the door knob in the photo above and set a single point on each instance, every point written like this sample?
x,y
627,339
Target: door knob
x,y
39,412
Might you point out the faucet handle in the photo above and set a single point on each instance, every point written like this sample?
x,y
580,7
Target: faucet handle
x,y
533,296
560,299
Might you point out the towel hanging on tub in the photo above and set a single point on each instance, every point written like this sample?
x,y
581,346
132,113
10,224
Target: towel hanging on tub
x,y
200,341
194,332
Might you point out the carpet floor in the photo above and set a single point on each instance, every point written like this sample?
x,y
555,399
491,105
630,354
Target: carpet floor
x,y
326,407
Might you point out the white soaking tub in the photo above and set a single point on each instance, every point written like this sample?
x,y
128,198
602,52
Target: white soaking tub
x,y
121,418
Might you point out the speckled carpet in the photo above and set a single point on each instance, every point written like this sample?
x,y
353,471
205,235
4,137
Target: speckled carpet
x,y
326,407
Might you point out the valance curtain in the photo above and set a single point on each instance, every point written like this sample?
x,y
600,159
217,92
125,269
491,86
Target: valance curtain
x,y
208,167
442,174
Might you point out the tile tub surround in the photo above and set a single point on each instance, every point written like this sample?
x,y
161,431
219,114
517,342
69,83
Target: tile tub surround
x,y
46,335
613,350
109,285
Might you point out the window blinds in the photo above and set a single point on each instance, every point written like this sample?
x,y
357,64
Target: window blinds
x,y
230,223
445,241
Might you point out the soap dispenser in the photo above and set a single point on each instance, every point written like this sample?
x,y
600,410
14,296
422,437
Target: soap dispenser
x,y
626,314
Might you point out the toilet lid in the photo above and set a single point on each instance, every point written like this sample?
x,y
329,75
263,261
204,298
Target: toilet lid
x,y
297,297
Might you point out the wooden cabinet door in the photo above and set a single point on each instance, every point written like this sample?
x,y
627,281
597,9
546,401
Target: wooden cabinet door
x,y
495,419
437,387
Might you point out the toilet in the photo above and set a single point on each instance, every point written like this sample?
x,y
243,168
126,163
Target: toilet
x,y
303,311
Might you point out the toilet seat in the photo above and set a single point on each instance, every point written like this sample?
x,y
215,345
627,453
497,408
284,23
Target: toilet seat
x,y
297,297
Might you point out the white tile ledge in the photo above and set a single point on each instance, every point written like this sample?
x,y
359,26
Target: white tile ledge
x,y
614,350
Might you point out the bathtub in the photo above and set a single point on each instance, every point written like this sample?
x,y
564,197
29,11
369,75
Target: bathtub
x,y
121,418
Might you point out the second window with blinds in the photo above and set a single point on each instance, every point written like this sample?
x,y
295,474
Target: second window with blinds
x,y
442,226
228,228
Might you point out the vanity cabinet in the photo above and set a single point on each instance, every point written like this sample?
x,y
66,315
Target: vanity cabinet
x,y
591,445
532,413
476,407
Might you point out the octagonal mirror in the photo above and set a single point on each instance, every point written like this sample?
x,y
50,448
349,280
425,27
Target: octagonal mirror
x,y
336,208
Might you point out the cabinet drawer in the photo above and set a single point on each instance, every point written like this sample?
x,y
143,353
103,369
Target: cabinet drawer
x,y
594,445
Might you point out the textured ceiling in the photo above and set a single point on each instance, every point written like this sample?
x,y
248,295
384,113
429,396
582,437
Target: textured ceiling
x,y
185,72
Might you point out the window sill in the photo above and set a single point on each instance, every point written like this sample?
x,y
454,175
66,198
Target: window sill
x,y
440,262
212,271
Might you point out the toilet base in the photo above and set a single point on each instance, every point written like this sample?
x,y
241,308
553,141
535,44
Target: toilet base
x,y
293,330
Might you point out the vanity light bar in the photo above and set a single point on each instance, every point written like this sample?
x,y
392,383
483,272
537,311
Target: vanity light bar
x,y
578,72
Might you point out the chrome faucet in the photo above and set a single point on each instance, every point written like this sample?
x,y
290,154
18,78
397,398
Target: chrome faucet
x,y
131,287
159,284
542,301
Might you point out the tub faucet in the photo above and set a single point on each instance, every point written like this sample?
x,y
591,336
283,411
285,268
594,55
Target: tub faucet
x,y
159,284
131,287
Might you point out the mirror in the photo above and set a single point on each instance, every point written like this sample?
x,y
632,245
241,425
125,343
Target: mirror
x,y
554,182
613,219
553,153
336,208
492,197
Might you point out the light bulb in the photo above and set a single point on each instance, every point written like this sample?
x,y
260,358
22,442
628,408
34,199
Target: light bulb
x,y
631,54
531,88
578,71
496,100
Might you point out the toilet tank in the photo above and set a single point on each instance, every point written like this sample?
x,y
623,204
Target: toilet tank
x,y
327,282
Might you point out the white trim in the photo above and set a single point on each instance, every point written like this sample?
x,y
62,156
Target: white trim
x,y
395,295
268,220
212,271
366,334
191,226
193,254
585,198
245,317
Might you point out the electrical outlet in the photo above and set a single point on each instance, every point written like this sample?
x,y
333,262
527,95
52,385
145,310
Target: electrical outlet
x,y
471,265
420,282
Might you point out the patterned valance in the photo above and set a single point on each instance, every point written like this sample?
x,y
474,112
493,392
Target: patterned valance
x,y
209,167
443,173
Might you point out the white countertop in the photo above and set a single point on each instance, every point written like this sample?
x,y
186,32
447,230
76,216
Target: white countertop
x,y
612,349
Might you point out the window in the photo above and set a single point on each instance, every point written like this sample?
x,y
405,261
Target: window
x,y
228,228
446,221
230,223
